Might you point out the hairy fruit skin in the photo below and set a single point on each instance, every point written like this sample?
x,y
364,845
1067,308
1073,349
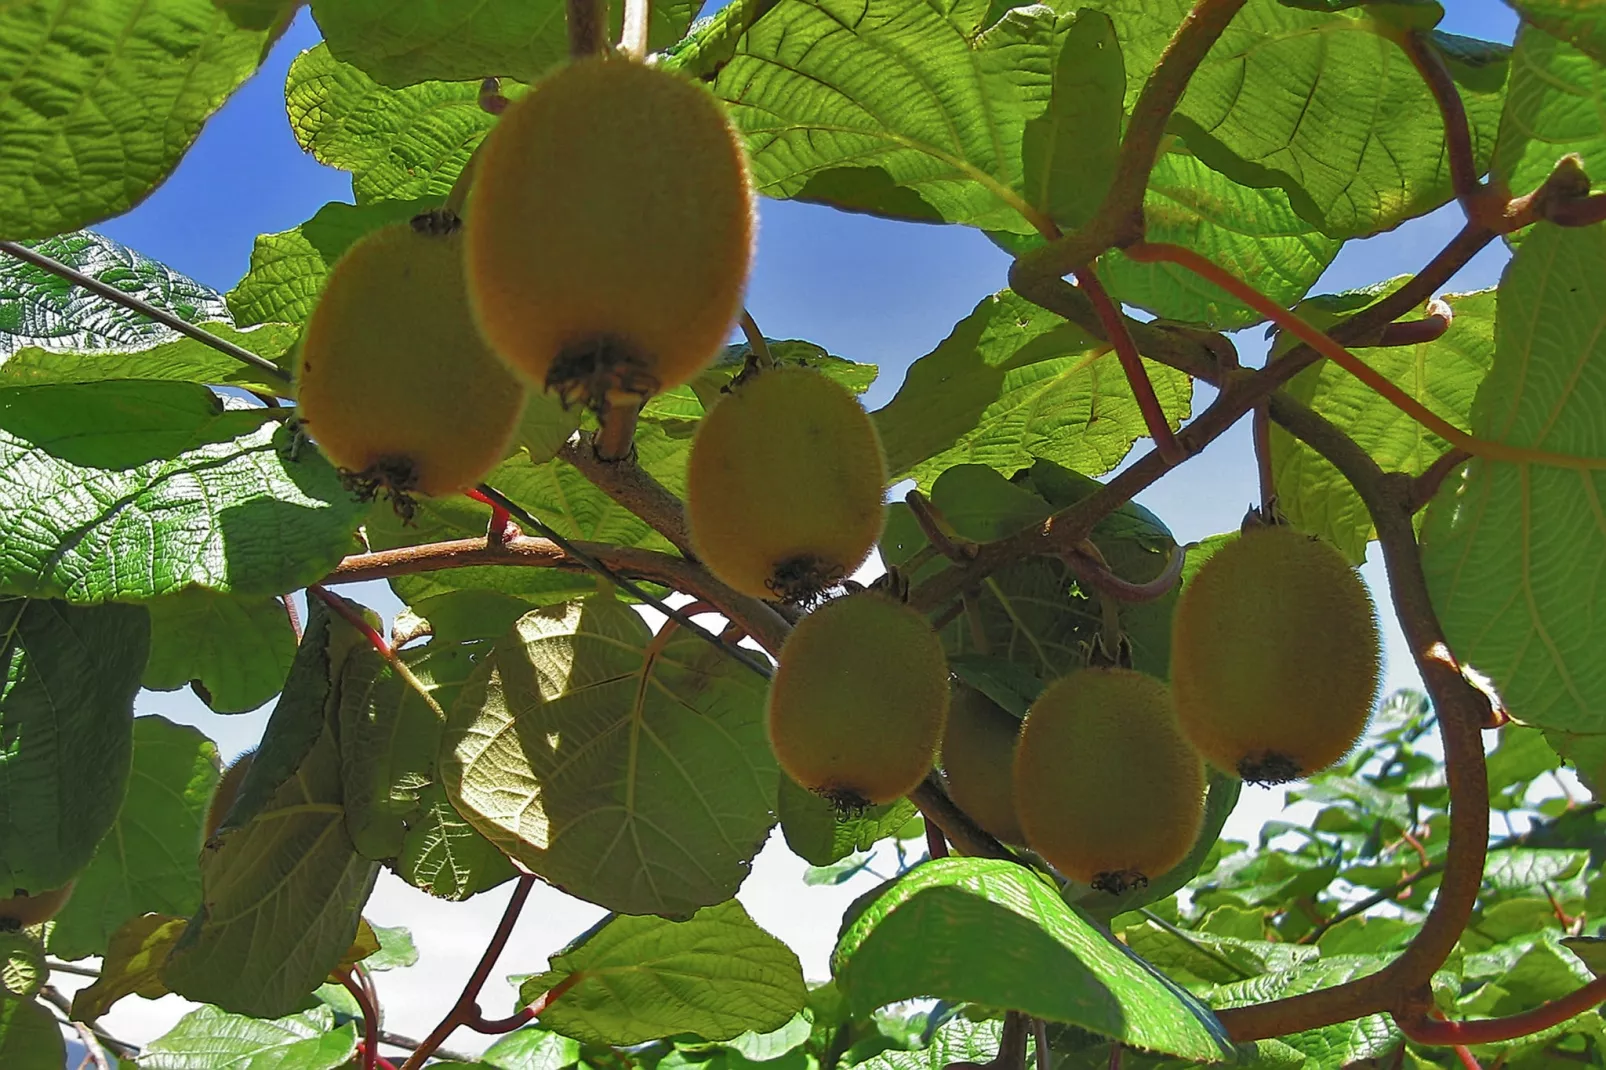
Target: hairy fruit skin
x,y
978,762
22,910
784,485
611,231
859,699
1275,656
1107,788
395,383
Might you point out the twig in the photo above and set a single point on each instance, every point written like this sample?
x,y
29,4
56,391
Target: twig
x,y
757,344
57,966
1471,192
93,1052
1096,574
1430,328
405,1043
633,487
638,20
967,837
1126,351
144,308
588,26
1425,486
936,843
467,1006
1044,1054
1426,1030
120,1048
935,528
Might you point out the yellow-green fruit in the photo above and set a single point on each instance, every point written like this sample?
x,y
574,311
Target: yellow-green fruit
x,y
1107,788
1275,659
23,909
858,702
228,789
978,759
784,485
395,383
611,230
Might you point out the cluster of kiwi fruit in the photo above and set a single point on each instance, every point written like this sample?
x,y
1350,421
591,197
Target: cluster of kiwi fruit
x,y
600,255
1275,664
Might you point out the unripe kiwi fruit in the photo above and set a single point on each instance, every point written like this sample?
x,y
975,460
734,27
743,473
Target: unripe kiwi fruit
x,y
22,909
395,383
1107,788
1275,656
611,231
858,702
228,789
784,485
978,762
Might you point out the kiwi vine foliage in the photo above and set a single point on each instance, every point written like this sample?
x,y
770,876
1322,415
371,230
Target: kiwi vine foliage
x,y
153,515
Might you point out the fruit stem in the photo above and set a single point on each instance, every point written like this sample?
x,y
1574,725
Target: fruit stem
x,y
936,842
616,432
758,347
638,18
936,528
957,827
588,23
1126,351
1268,479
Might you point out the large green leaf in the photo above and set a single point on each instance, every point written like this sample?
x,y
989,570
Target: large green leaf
x,y
1069,153
522,39
1581,23
1556,104
237,648
207,1038
29,1037
282,885
1322,105
1511,550
399,144
628,770
913,111
135,489
100,98
67,723
1254,234
1369,1037
1443,375
716,975
143,865
995,933
131,965
1013,383
288,268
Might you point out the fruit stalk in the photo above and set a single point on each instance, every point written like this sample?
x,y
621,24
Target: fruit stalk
x,y
588,21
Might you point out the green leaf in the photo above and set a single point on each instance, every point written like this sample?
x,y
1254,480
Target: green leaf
x,y
1069,153
1443,375
1510,549
180,360
138,489
1254,234
143,864
1013,383
520,39
838,102
67,717
133,963
1554,106
446,856
820,834
994,933
1581,23
238,648
533,1048
288,268
29,1037
1337,1045
960,1039
716,975
1319,104
99,99
396,949
282,884
208,1038
398,144
22,965
630,771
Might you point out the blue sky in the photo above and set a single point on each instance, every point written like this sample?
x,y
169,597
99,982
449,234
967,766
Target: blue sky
x,y
864,288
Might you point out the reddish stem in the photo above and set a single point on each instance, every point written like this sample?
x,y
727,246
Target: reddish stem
x,y
936,842
480,1024
294,617
1126,351
467,1009
351,616
1452,110
1416,845
1424,1030
370,1017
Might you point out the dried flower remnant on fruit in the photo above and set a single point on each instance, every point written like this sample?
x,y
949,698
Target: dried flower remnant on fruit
x,y
1275,656
1107,788
22,909
784,485
610,232
394,382
859,699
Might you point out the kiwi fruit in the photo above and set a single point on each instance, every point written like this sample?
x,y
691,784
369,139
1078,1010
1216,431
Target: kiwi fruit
x,y
228,789
784,485
859,699
610,231
978,761
1107,788
394,382
22,909
1275,656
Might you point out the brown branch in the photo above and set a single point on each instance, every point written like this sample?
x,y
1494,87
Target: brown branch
x,y
1464,173
588,27
1425,486
1430,328
1119,219
1096,574
633,487
758,620
967,837
405,1043
1425,1030
1461,710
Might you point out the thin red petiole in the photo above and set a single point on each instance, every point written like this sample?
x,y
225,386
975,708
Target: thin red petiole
x,y
1126,351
